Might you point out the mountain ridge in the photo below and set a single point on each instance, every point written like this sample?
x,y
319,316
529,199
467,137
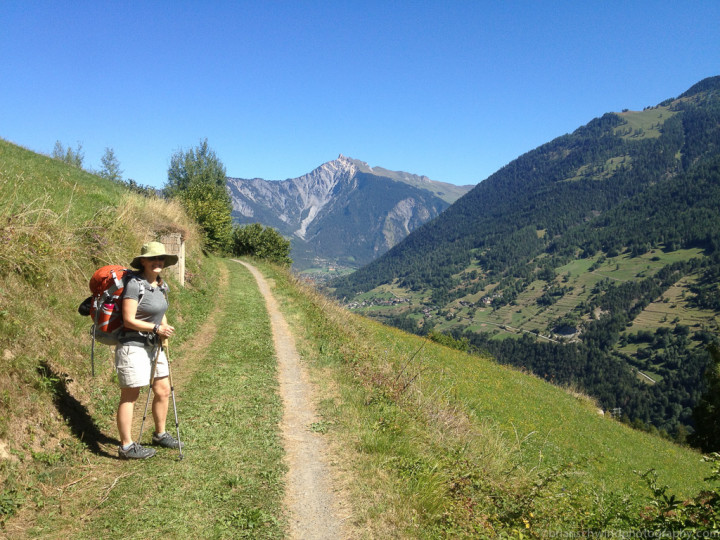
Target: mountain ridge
x,y
371,209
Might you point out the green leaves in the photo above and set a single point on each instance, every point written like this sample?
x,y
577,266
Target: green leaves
x,y
209,205
197,177
261,242
197,165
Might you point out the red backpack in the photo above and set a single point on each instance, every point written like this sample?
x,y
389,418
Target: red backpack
x,y
108,285
105,305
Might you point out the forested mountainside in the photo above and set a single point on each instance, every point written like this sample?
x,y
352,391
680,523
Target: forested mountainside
x,y
342,213
604,241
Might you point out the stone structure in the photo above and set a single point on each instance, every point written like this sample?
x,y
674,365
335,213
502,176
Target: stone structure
x,y
175,245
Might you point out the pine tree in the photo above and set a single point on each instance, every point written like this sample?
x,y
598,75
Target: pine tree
x,y
707,412
198,179
110,166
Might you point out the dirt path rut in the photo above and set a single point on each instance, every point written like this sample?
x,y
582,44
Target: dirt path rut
x,y
312,503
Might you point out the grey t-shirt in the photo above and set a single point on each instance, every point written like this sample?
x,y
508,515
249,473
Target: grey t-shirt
x,y
151,308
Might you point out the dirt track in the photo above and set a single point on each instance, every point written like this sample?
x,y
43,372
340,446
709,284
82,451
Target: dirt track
x,y
311,502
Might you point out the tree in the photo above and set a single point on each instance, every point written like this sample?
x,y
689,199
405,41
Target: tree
x,y
199,164
68,155
263,243
707,412
58,151
197,178
110,166
209,205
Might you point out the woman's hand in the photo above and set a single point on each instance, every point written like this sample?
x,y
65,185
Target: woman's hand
x,y
165,330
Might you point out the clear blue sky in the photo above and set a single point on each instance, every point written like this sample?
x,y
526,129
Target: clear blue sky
x,y
450,89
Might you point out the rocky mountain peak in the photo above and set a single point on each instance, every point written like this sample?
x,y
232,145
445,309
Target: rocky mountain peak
x,y
341,165
319,209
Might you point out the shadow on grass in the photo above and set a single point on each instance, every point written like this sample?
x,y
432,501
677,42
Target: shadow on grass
x,y
75,413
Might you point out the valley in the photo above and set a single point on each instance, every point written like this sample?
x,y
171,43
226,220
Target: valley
x,y
555,320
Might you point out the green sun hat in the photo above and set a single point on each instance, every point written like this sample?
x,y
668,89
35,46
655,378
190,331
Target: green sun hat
x,y
153,249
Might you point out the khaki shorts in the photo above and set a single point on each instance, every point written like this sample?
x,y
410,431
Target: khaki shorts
x,y
133,365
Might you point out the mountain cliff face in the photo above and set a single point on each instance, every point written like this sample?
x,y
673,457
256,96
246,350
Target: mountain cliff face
x,y
344,212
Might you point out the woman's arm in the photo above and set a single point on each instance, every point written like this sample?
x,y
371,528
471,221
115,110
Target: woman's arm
x,y
130,321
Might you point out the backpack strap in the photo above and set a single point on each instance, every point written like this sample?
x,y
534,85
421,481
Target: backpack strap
x,y
116,279
141,283
165,289
141,291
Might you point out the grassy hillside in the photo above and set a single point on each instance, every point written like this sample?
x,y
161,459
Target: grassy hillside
x,y
461,446
57,225
31,181
600,249
427,441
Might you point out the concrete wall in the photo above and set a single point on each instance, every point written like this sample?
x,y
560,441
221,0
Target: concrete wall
x,y
175,245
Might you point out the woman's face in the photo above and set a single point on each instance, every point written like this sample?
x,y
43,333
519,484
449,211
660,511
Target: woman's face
x,y
153,265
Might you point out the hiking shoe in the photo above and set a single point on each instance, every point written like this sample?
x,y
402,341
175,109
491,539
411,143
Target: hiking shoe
x,y
135,451
166,440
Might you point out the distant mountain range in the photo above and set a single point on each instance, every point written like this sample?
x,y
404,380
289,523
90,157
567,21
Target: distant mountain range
x,y
344,212
598,253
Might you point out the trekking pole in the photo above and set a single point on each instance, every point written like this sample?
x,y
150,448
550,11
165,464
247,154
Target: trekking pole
x,y
158,347
92,352
172,393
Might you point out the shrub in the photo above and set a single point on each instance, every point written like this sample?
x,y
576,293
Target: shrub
x,y
261,242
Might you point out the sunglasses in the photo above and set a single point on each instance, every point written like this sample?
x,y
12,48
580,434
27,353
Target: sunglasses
x,y
158,258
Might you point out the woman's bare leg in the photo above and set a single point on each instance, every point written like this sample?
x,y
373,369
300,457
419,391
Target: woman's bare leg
x,y
128,397
161,395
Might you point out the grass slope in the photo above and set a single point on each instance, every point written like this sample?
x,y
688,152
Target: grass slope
x,y
57,225
26,178
438,443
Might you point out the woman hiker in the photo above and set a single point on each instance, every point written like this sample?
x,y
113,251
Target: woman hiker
x,y
143,307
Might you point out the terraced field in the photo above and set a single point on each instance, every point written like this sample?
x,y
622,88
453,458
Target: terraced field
x,y
525,314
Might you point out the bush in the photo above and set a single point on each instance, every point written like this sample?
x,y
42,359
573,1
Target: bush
x,y
667,513
261,242
462,344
